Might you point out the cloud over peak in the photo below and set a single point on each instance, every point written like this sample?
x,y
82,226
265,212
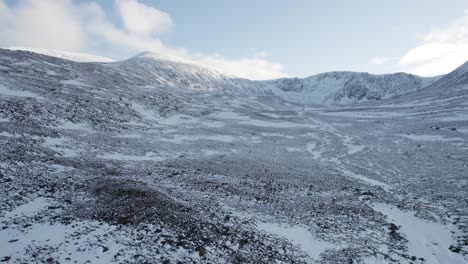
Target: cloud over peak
x,y
380,60
85,27
442,50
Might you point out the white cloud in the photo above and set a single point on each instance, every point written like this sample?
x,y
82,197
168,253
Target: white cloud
x,y
101,30
141,19
41,24
256,67
380,60
66,25
442,50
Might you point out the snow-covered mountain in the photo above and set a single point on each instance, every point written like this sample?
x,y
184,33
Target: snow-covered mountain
x,y
346,87
155,160
149,68
451,87
159,70
325,88
455,78
66,55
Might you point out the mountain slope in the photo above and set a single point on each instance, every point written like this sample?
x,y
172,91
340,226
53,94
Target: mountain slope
x,y
457,77
154,69
132,162
346,87
66,55
326,88
449,92
157,70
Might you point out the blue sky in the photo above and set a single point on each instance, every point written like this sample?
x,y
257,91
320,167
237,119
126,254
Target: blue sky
x,y
260,39
308,36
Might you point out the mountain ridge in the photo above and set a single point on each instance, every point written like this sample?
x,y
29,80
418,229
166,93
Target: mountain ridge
x,y
329,88
66,55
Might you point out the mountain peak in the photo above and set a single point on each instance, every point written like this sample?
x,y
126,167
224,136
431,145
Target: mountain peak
x,y
159,56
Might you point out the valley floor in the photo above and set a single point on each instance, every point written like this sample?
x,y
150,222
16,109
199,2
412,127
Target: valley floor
x,y
257,180
112,163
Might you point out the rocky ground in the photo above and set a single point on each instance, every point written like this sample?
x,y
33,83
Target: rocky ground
x,y
98,167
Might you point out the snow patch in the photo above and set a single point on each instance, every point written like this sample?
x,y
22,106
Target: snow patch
x,y
28,209
58,144
74,126
311,148
425,239
292,149
149,156
230,115
179,139
18,93
6,134
211,152
73,242
178,119
145,113
285,124
434,138
130,135
74,82
352,148
60,168
363,178
455,117
299,236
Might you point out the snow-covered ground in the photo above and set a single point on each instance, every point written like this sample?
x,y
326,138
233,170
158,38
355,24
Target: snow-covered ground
x,y
426,240
110,163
